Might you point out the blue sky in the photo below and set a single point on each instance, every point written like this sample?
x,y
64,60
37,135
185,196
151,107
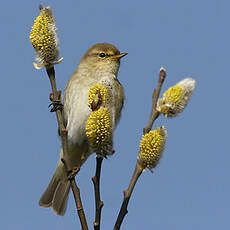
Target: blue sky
x,y
190,188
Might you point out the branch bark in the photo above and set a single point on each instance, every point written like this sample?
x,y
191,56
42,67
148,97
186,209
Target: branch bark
x,y
127,194
56,101
138,170
98,203
154,113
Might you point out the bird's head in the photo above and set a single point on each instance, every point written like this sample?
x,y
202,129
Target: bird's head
x,y
102,57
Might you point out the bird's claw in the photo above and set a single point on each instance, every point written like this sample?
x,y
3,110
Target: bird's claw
x,y
73,173
57,105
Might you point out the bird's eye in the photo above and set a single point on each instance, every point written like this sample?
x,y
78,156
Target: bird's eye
x,y
101,55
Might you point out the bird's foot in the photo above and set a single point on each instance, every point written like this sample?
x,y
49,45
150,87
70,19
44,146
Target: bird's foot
x,y
57,105
73,173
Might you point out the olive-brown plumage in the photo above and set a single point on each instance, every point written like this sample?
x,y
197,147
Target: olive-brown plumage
x,y
99,65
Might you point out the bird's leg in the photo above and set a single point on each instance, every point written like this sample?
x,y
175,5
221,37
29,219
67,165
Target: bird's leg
x,y
73,172
95,105
56,103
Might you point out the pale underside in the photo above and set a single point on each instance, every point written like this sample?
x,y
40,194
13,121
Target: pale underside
x,y
77,111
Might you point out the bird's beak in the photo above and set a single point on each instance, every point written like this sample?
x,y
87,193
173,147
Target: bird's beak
x,y
119,56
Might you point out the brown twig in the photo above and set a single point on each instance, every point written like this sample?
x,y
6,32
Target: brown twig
x,y
56,99
98,203
154,113
138,170
127,194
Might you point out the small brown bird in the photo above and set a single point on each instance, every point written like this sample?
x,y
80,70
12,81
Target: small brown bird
x,y
99,65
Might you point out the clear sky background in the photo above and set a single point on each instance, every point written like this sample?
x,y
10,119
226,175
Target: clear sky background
x,y
190,188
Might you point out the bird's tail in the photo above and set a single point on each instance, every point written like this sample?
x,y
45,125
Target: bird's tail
x,y
56,194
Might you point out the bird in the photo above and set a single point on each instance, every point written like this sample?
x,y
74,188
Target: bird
x,y
99,65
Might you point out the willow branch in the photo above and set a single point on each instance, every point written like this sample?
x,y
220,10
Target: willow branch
x,y
138,170
127,194
57,107
154,113
98,203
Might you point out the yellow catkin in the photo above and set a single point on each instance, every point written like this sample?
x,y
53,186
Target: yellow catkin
x,y
99,128
151,148
94,93
176,98
43,38
173,94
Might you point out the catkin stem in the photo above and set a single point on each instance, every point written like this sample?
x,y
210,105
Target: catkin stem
x,y
154,113
98,203
127,194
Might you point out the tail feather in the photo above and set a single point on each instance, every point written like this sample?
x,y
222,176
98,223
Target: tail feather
x,y
60,198
47,196
56,194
